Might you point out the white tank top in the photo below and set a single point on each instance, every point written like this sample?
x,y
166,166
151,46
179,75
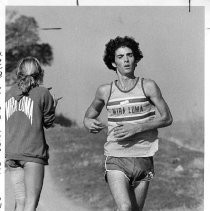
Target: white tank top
x,y
133,107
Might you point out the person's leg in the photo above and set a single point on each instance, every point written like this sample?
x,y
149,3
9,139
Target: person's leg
x,y
34,175
143,174
119,187
138,195
17,180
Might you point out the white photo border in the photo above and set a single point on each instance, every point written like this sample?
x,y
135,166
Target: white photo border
x,y
2,99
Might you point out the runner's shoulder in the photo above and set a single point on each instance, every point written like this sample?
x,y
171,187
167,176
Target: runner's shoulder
x,y
149,83
103,90
150,87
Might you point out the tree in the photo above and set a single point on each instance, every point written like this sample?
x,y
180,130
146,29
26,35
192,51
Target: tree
x,y
22,39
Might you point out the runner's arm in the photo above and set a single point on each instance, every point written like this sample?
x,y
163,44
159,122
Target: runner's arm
x,y
90,120
165,119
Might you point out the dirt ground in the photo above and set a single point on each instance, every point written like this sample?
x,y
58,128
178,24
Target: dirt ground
x,y
51,199
74,179
77,163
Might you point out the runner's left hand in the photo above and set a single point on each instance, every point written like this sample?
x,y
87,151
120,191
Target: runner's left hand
x,y
124,130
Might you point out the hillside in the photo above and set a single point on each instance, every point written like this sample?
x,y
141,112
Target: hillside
x,y
76,164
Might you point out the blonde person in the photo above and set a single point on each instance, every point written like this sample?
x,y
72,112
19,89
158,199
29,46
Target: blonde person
x,y
29,109
132,139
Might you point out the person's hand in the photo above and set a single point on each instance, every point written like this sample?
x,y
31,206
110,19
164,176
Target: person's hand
x,y
93,125
56,101
124,130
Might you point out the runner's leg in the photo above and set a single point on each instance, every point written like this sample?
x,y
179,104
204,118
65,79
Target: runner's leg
x,y
34,175
139,194
119,187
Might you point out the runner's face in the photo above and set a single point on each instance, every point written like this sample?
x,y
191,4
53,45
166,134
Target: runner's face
x,y
124,61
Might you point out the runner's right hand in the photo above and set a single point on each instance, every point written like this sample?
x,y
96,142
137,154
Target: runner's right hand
x,y
93,125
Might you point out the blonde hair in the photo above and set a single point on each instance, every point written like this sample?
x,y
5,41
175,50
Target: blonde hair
x,y
29,74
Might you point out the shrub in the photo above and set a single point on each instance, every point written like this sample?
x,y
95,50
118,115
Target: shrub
x,y
64,121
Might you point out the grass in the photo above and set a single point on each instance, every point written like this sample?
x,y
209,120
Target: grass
x,y
187,133
77,166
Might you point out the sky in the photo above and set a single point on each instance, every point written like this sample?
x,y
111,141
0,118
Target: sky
x,y
171,39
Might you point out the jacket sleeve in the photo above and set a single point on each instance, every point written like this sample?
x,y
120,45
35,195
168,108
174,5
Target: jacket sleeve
x,y
48,110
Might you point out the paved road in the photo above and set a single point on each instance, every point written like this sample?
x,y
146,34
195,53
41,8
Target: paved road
x,y
51,199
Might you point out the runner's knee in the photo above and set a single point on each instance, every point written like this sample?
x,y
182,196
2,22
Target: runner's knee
x,y
124,207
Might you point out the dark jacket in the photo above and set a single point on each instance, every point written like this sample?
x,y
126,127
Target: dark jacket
x,y
26,116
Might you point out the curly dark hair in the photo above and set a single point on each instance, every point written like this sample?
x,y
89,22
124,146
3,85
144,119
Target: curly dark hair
x,y
114,44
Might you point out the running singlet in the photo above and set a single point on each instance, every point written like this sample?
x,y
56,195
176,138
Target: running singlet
x,y
133,107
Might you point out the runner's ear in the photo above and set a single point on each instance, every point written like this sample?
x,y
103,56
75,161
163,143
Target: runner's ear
x,y
114,65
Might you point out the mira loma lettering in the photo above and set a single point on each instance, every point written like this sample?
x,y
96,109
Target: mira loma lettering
x,y
25,105
126,110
